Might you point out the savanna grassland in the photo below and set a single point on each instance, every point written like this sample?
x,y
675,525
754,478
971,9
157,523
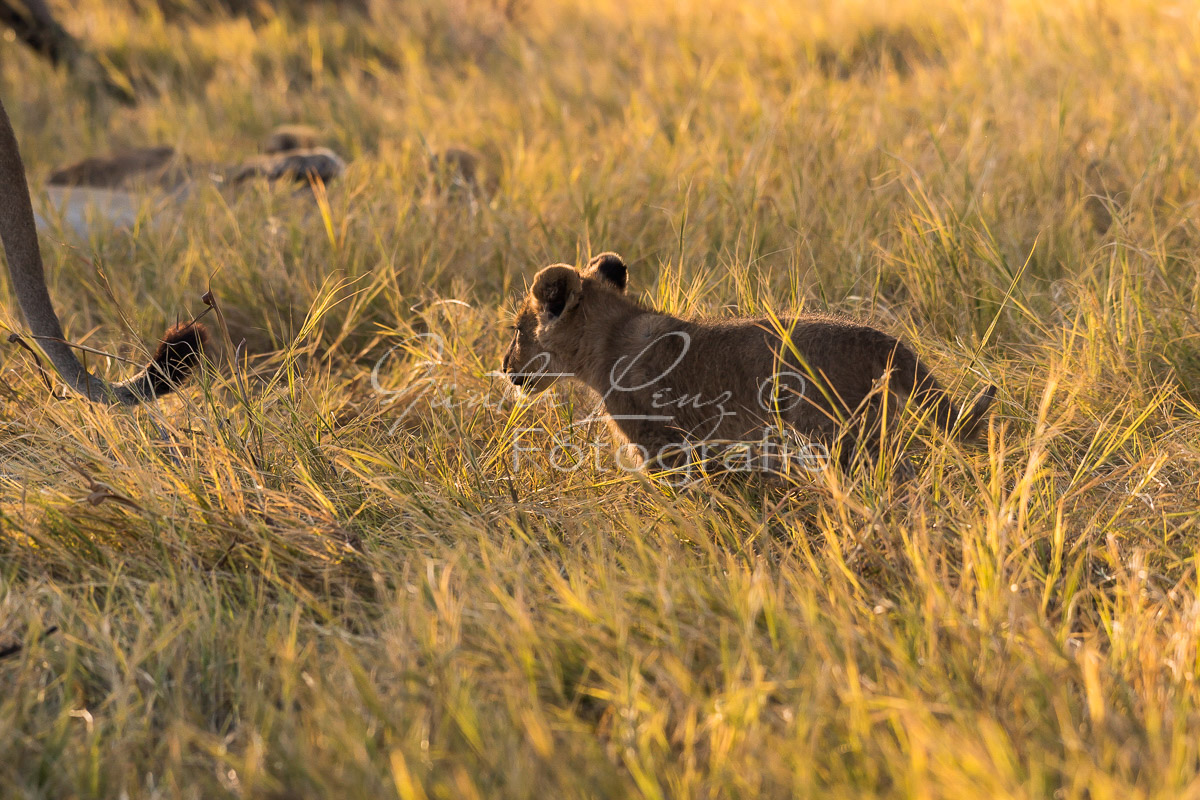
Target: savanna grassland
x,y
338,565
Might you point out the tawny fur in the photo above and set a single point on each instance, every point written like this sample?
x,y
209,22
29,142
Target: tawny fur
x,y
152,165
459,168
291,165
177,355
290,153
726,380
291,137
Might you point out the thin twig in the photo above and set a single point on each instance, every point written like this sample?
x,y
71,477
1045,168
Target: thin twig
x,y
13,649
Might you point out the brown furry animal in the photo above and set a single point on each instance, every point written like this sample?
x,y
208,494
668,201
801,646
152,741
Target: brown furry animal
x,y
159,165
291,137
460,169
670,385
291,165
290,153
178,353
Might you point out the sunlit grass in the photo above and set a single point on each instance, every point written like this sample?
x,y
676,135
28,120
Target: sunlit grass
x,y
351,562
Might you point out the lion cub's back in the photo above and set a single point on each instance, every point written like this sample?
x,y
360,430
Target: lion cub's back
x,y
850,354
847,354
740,354
824,338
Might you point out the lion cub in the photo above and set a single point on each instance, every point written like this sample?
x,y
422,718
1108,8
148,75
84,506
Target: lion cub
x,y
290,153
672,387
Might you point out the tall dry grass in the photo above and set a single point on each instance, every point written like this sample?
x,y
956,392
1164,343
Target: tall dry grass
x,y
293,581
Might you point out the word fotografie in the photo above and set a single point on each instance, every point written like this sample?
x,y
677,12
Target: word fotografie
x,y
776,450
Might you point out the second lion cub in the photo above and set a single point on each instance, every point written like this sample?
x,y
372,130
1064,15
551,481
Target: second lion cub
x,y
671,386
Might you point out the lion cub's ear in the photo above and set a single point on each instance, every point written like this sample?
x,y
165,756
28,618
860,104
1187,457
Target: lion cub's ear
x,y
610,268
556,290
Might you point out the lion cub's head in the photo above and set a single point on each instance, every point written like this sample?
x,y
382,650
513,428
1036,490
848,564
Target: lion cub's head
x,y
555,323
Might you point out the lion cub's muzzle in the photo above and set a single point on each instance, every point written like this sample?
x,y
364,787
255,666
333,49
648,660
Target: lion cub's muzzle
x,y
514,377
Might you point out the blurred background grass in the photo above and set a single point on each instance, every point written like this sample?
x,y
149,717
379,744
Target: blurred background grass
x,y
294,582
